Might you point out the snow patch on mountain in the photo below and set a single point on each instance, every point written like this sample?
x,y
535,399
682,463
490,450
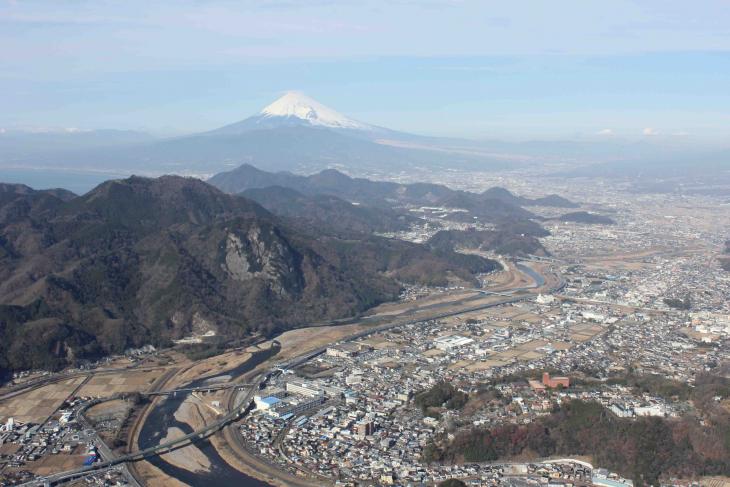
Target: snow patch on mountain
x,y
298,105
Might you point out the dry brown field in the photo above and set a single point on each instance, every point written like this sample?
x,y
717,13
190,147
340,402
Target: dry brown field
x,y
36,405
105,385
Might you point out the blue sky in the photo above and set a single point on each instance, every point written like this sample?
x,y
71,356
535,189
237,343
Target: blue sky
x,y
518,69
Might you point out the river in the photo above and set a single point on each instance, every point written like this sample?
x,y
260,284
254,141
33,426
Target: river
x,y
162,417
221,474
536,276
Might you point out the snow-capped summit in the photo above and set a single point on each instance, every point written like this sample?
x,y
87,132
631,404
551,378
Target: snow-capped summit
x,y
298,105
295,110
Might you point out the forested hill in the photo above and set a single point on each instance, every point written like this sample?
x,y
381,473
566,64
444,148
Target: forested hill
x,y
648,450
140,260
328,213
496,205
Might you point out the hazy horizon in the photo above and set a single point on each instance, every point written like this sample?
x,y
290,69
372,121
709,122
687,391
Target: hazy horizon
x,y
313,243
654,71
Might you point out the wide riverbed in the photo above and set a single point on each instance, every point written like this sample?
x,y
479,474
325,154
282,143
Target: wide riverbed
x,y
162,418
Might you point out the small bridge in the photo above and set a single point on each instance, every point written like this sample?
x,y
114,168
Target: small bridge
x,y
204,389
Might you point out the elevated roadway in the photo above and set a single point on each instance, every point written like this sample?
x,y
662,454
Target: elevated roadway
x,y
239,409
210,388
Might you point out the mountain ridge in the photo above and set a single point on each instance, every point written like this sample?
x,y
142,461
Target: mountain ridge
x,y
294,132
143,260
487,207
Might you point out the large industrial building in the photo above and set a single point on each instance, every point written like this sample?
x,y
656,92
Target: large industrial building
x,y
451,341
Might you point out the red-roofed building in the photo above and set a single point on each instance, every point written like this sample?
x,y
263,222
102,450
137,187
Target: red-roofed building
x,y
549,382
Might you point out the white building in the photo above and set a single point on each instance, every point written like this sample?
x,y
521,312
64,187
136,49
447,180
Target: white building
x,y
652,410
451,341
304,388
592,316
8,426
545,299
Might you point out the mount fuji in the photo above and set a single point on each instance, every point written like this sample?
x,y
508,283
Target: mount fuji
x,y
294,133
292,109
295,109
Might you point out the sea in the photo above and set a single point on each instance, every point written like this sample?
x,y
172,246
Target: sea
x,y
76,181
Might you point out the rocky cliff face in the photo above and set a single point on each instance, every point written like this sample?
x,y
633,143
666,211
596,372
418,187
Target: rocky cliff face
x,y
263,254
142,261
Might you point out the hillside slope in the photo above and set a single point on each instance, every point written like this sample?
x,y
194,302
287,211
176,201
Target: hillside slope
x,y
141,260
383,194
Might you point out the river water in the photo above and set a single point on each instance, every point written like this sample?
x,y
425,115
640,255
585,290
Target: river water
x,y
162,417
536,276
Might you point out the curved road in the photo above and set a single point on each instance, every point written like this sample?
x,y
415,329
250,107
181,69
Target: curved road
x,y
239,410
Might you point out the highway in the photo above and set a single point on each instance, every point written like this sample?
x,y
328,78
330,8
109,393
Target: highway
x,y
23,387
152,451
210,388
237,439
237,411
106,452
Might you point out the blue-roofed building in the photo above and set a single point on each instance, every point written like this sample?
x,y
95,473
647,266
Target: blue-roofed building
x,y
265,403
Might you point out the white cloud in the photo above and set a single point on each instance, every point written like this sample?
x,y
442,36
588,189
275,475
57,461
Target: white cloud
x,y
606,132
650,132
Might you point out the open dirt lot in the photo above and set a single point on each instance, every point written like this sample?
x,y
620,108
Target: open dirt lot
x,y
379,343
484,365
477,365
295,342
211,366
438,298
109,409
527,351
584,332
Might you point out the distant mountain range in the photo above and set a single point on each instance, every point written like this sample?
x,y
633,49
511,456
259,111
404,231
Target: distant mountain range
x,y
553,200
293,133
336,203
701,172
358,203
297,133
504,241
328,213
495,205
143,260
140,260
